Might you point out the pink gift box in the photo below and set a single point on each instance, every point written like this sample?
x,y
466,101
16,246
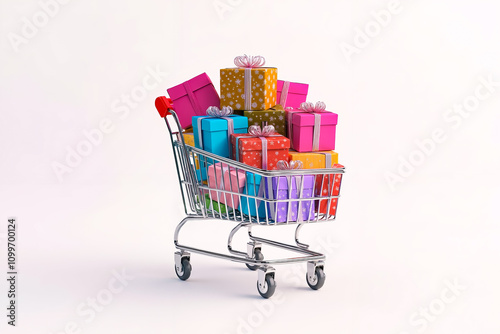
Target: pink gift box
x,y
297,93
193,97
218,178
302,126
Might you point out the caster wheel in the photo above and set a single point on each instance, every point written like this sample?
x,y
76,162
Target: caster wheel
x,y
318,279
185,271
269,287
257,256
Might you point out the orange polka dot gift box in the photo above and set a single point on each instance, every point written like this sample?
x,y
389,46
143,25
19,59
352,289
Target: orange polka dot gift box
x,y
261,148
249,85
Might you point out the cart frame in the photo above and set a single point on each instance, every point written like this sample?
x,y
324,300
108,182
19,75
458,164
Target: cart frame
x,y
197,196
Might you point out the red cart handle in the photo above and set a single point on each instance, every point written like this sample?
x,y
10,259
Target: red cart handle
x,y
164,105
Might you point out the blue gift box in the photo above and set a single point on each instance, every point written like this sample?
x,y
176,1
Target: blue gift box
x,y
215,136
249,205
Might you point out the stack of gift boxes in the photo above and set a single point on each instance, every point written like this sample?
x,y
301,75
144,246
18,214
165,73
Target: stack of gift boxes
x,y
265,123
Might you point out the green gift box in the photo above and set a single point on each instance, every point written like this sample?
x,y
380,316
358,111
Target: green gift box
x,y
274,116
216,206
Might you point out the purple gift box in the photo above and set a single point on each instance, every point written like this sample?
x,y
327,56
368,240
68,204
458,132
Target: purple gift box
x,y
289,187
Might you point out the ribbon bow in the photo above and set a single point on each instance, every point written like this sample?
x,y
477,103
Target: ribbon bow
x,y
310,107
249,61
216,112
294,164
266,131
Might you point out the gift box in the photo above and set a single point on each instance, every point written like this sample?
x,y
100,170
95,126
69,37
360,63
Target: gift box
x,y
261,150
248,205
328,185
311,128
223,177
214,205
212,133
290,187
188,139
193,97
274,116
291,94
249,86
315,160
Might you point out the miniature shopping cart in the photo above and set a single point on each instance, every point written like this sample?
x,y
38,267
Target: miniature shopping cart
x,y
214,187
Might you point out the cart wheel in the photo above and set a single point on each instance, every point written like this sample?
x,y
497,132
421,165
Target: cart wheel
x,y
258,256
269,287
185,271
318,280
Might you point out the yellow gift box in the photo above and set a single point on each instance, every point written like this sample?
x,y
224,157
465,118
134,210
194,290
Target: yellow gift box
x,y
248,88
314,160
189,140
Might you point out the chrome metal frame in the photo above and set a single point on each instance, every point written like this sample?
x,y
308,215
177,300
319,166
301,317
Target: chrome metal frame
x,y
193,166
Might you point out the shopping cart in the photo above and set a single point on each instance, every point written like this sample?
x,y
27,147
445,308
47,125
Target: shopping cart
x,y
248,197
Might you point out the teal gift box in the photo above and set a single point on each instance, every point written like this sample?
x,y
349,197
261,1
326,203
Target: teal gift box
x,y
248,205
214,132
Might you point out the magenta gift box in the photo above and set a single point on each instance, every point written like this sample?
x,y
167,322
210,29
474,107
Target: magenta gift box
x,y
297,93
193,97
303,130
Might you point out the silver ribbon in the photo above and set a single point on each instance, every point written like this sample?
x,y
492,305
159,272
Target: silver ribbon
x,y
328,159
284,93
256,132
214,112
248,88
284,165
308,107
249,62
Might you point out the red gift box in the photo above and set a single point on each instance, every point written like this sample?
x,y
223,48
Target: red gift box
x,y
328,185
248,149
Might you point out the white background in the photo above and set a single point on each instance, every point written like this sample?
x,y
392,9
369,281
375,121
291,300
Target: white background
x,y
391,251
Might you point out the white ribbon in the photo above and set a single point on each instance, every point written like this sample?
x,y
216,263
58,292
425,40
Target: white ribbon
x,y
284,93
249,62
285,165
215,112
308,107
328,159
316,131
248,88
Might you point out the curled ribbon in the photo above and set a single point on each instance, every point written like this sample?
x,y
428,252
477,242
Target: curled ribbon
x,y
285,165
310,107
216,112
249,61
266,131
